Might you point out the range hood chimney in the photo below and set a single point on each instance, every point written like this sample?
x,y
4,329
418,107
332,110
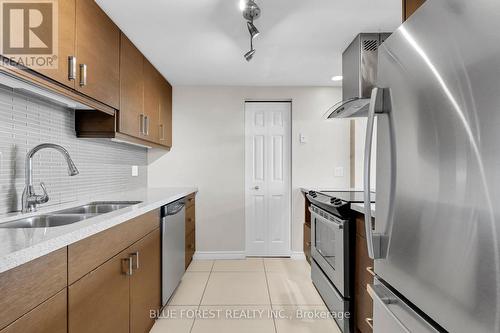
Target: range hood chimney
x,y
359,71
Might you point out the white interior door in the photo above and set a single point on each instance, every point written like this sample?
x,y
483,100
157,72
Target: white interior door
x,y
268,178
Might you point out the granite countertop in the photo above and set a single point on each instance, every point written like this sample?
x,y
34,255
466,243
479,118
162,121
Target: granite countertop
x,y
19,246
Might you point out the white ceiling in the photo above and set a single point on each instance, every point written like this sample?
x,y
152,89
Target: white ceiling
x,y
202,42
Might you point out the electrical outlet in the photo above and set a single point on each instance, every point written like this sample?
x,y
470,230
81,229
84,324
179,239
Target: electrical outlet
x,y
339,172
135,171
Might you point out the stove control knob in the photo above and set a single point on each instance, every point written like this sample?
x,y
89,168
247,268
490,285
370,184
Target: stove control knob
x,y
332,200
312,194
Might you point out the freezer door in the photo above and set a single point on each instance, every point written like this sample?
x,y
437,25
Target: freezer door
x,y
392,315
438,180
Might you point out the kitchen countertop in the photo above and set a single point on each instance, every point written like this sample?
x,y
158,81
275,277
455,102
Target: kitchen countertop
x,y
19,246
360,207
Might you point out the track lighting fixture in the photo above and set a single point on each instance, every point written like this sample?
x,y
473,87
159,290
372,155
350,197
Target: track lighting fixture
x,y
251,12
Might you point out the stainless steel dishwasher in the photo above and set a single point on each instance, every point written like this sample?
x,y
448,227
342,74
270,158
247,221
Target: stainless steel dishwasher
x,y
173,247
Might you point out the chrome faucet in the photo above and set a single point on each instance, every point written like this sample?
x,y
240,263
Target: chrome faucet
x,y
30,199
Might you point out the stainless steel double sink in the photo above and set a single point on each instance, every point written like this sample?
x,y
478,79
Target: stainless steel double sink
x,y
69,216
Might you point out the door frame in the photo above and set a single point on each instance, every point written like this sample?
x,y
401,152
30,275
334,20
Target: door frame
x,y
290,196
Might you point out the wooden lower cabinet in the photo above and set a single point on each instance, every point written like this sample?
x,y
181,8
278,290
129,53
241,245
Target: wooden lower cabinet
x,y
190,229
119,294
363,303
48,317
145,282
307,242
99,302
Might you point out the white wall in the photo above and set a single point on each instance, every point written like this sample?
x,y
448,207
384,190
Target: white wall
x,y
208,152
359,153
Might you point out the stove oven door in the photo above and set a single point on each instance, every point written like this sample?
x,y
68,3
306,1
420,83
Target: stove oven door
x,y
327,248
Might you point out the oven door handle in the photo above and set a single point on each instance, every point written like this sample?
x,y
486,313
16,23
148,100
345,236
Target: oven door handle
x,y
339,225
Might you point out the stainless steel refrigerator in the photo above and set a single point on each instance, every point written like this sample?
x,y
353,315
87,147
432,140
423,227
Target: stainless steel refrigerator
x,y
436,236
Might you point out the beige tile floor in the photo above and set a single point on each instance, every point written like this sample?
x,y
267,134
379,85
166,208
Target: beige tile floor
x,y
245,296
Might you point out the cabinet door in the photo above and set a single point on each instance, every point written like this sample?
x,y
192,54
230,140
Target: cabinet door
x,y
97,47
145,282
151,102
131,89
165,126
48,317
99,301
66,41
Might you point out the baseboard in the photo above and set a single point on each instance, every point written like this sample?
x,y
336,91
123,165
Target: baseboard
x,y
297,255
211,255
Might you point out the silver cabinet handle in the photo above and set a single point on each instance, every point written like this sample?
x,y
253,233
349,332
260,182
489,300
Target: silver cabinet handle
x,y
135,259
83,75
127,266
71,68
369,322
141,123
147,125
162,132
373,247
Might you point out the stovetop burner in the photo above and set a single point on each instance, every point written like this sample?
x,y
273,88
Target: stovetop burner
x,y
337,202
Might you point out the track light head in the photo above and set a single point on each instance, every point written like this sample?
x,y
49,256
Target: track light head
x,y
249,55
252,29
250,10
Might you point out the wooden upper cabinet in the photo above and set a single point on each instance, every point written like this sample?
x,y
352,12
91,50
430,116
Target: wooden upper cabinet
x,y
97,48
145,282
165,123
66,41
410,6
131,88
151,102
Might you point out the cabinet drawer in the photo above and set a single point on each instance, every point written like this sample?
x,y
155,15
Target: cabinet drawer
x,y
190,220
93,251
24,287
190,200
48,317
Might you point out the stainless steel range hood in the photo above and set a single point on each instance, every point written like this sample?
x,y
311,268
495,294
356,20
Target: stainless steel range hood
x,y
359,71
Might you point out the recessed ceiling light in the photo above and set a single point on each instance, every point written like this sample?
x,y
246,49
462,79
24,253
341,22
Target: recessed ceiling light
x,y
337,78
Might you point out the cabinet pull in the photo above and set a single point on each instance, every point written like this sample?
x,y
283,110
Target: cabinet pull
x,y
162,132
141,123
71,68
369,322
83,75
370,270
135,260
147,125
127,266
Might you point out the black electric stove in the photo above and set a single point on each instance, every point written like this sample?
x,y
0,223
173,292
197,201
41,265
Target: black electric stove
x,y
337,202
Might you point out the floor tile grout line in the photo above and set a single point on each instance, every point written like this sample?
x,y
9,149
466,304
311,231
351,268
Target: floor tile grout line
x,y
202,295
269,295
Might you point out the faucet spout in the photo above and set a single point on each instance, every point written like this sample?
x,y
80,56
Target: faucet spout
x,y
30,200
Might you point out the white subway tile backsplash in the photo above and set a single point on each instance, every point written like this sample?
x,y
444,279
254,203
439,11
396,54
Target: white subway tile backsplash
x,y
26,122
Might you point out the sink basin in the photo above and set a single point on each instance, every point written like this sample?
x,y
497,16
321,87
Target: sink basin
x,y
44,221
68,216
101,207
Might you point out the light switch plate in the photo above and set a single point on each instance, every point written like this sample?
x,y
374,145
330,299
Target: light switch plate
x,y
302,138
135,171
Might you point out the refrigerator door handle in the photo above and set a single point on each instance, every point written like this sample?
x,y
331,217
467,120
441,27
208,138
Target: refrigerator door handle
x,y
373,241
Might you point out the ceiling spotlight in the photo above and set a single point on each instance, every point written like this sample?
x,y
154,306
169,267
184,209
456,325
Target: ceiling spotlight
x,y
337,78
249,54
252,29
250,12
